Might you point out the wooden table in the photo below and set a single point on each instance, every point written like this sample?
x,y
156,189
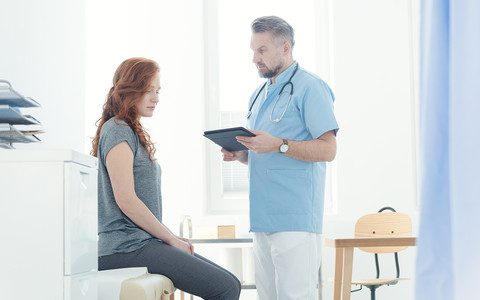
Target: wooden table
x,y
344,259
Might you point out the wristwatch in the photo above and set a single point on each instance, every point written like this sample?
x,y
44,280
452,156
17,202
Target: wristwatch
x,y
284,146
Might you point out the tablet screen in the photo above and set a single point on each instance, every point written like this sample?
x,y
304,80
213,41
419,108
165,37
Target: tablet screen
x,y
226,137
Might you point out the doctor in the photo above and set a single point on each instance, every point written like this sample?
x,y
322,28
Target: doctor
x,y
292,117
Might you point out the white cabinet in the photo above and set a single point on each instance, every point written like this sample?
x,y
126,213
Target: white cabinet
x,y
48,225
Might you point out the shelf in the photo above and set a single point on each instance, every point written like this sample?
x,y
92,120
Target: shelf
x,y
10,116
13,116
9,135
9,96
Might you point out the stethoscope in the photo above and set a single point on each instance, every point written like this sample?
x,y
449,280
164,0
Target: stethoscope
x,y
289,82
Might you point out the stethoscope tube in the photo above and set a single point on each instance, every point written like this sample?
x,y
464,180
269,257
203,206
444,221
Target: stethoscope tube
x,y
289,82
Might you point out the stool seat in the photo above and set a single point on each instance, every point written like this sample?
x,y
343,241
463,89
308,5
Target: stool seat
x,y
376,281
147,287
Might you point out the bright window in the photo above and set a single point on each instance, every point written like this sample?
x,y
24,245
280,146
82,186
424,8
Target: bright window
x,y
231,78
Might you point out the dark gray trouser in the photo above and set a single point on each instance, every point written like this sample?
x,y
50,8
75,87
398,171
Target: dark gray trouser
x,y
195,275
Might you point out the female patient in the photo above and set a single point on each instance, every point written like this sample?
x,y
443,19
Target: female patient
x,y
130,229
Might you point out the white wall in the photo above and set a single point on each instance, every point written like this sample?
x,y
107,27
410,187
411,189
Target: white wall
x,y
376,143
42,54
171,33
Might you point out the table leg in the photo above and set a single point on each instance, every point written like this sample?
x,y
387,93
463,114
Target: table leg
x,y
347,273
337,281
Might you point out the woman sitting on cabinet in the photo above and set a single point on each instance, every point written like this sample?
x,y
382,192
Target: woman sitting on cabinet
x,y
130,229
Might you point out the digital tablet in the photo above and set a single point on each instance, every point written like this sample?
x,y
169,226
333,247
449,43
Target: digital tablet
x,y
226,137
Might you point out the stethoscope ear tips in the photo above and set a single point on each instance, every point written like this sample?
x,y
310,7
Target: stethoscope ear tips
x,y
276,120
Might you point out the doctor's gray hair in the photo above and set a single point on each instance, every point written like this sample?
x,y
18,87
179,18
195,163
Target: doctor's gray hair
x,y
277,26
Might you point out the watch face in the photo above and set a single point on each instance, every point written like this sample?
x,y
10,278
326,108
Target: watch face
x,y
283,148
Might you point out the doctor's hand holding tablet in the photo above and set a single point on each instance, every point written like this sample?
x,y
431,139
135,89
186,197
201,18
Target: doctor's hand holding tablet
x,y
237,140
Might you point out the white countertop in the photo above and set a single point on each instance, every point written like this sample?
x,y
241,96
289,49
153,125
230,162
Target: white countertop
x,y
42,155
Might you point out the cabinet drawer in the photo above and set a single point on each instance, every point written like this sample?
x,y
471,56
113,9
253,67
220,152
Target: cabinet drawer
x,y
80,219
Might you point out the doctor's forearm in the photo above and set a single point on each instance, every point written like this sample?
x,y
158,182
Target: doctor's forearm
x,y
310,151
316,150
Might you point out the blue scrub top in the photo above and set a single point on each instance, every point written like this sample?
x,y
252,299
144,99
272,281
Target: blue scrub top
x,y
288,194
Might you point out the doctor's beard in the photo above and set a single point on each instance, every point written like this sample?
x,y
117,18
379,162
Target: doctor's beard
x,y
269,73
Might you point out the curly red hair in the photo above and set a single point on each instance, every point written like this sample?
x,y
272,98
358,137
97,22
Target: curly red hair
x,y
131,81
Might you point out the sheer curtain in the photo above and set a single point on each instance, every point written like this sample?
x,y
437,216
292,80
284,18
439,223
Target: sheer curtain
x,y
449,243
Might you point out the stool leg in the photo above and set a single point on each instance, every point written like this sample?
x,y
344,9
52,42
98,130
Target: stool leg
x,y
372,292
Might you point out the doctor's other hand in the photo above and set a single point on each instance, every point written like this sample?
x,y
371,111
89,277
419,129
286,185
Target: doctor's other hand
x,y
241,156
233,155
261,143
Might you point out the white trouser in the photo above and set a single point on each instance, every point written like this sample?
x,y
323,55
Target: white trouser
x,y
286,265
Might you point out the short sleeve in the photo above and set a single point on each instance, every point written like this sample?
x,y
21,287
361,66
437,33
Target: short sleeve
x,y
317,110
113,133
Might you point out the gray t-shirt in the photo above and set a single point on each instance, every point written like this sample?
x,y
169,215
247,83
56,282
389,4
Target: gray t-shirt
x,y
116,232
